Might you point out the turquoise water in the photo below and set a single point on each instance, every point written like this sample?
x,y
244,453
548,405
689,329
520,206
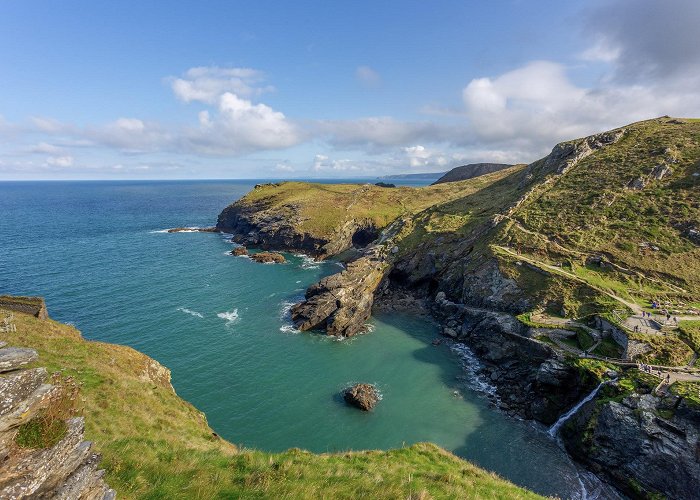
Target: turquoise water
x,y
97,252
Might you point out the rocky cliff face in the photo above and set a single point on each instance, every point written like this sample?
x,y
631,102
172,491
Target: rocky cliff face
x,y
67,470
531,379
256,225
645,444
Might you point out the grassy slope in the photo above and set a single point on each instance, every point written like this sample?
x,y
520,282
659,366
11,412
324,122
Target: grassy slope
x,y
325,207
589,211
155,445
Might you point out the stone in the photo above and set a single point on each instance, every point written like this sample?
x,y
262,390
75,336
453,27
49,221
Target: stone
x,y
239,251
268,258
12,358
363,396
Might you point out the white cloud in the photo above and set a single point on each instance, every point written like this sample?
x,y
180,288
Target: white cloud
x,y
60,161
367,76
380,132
208,83
283,167
46,148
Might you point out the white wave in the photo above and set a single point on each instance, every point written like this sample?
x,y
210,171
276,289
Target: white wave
x,y
289,329
298,281
186,229
472,366
231,317
308,262
190,312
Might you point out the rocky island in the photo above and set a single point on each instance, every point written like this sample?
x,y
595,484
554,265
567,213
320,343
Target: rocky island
x,y
553,274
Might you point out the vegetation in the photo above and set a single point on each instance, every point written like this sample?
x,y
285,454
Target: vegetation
x,y
155,445
664,349
608,348
689,332
690,391
48,427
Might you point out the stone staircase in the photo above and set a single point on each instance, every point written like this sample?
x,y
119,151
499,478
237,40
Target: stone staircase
x,y
69,469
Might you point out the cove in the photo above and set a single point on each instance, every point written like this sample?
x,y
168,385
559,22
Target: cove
x,y
95,251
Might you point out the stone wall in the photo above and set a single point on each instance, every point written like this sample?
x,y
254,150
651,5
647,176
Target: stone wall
x,y
616,333
36,306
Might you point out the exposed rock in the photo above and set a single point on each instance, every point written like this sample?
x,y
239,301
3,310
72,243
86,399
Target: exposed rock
x,y
470,171
661,171
193,230
342,303
363,396
257,225
12,358
637,184
385,184
268,258
635,448
239,251
66,470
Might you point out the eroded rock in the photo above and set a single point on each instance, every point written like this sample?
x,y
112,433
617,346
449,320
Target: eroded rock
x,y
363,396
268,258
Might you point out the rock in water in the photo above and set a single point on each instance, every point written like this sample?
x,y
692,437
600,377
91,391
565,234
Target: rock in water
x,y
363,396
239,251
268,257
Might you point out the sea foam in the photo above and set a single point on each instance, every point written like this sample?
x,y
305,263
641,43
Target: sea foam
x,y
231,317
190,312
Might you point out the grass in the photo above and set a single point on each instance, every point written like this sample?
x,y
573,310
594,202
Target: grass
x,y
155,445
690,391
665,349
689,332
48,426
608,348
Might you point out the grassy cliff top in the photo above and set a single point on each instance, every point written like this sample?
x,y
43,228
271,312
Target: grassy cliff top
x,y
155,445
323,208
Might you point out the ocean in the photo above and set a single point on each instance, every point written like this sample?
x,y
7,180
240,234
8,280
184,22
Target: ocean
x,y
98,253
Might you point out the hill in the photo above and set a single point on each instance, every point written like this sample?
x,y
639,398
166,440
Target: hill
x,y
155,445
426,176
470,171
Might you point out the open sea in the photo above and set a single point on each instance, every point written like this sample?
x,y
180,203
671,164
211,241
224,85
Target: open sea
x,y
98,253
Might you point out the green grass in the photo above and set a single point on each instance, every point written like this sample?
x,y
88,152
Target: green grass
x,y
39,434
689,332
155,445
690,391
608,348
665,349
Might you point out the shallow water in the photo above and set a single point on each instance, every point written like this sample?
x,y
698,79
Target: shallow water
x,y
97,252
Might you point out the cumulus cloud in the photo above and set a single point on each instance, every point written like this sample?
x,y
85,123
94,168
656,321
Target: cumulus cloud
x,y
367,76
208,83
46,148
130,135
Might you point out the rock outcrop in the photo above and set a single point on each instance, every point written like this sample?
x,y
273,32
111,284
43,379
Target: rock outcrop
x,y
239,251
470,171
646,445
66,470
268,258
342,303
363,396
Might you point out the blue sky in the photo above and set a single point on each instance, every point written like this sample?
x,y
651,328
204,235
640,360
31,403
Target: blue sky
x,y
99,90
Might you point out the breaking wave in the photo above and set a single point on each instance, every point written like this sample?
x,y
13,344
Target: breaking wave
x,y
190,312
231,317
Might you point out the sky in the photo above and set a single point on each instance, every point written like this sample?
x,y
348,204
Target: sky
x,y
321,89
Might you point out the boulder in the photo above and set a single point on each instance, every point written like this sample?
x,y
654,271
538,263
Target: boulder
x,y
12,358
363,396
239,251
268,258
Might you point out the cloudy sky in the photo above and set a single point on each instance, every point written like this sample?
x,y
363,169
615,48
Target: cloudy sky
x,y
205,89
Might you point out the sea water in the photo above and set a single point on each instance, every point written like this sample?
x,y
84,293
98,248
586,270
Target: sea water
x,y
98,253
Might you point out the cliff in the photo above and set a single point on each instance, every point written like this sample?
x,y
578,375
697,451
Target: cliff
x,y
598,228
470,171
155,445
